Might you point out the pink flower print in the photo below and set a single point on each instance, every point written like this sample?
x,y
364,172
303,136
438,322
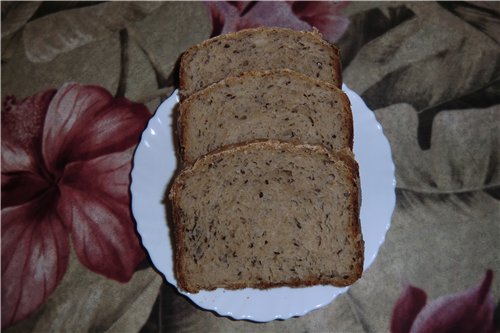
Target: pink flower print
x,y
228,16
66,159
471,311
324,15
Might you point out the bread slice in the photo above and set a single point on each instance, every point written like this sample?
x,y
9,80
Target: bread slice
x,y
267,214
258,49
279,104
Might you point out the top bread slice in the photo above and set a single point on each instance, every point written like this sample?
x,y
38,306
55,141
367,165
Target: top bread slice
x,y
258,49
279,104
267,214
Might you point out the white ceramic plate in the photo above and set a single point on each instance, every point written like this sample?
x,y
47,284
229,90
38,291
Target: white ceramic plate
x,y
155,163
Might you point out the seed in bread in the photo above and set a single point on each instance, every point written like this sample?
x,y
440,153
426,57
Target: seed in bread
x,y
267,214
278,104
258,49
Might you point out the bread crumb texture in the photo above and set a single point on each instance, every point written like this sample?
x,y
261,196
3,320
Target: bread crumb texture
x,y
279,104
266,214
258,49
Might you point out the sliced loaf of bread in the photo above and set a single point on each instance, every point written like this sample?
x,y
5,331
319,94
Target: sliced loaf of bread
x,y
279,104
266,214
258,49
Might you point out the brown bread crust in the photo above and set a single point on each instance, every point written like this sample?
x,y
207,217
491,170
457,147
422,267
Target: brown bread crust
x,y
344,156
185,105
189,53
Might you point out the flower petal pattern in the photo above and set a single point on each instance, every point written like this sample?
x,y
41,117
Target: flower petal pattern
x,y
21,187
84,122
35,252
324,15
406,309
471,311
267,14
22,124
16,159
67,159
102,231
228,16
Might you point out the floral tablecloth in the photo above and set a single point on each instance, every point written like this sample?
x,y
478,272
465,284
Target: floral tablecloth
x,y
81,79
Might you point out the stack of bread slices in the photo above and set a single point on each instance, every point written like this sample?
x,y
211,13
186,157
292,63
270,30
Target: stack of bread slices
x,y
269,192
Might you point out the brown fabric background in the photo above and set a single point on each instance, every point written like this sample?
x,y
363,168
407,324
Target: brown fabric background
x,y
429,74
